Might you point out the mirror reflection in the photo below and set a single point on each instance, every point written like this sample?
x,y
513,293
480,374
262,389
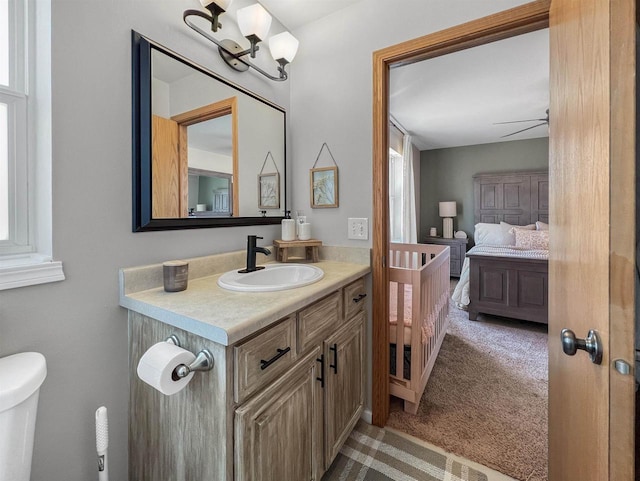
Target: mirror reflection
x,y
206,152
210,162
209,142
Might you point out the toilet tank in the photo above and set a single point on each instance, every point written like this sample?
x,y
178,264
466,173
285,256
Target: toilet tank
x,y
21,376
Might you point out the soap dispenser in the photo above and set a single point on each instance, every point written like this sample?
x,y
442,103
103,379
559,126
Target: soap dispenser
x,y
288,227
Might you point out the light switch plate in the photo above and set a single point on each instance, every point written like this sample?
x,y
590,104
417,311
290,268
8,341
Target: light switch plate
x,y
358,228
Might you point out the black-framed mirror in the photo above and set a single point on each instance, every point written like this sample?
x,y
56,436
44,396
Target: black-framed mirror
x,y
203,147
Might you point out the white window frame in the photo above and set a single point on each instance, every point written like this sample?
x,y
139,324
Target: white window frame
x,y
26,256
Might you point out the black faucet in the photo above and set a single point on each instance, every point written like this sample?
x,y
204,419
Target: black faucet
x,y
251,254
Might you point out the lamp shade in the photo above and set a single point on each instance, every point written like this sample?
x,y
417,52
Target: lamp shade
x,y
448,209
254,20
223,4
283,46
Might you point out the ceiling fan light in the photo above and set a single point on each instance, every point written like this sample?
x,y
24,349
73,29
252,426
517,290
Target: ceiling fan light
x,y
254,20
222,4
283,46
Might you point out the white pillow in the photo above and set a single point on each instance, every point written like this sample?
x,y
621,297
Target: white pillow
x,y
541,226
488,234
509,239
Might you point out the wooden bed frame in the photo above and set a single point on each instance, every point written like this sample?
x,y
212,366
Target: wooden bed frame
x,y
509,286
424,267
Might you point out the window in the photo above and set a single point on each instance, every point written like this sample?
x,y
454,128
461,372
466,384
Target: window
x,y
396,195
25,159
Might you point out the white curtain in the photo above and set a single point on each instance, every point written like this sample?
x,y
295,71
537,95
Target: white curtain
x,y
409,222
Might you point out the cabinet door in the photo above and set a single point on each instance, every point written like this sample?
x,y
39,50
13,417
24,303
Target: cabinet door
x,y
278,433
344,387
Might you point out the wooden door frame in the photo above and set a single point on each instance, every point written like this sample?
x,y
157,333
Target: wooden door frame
x,y
516,21
622,235
202,114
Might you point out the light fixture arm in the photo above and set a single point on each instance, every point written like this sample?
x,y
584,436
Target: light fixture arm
x,y
239,56
216,11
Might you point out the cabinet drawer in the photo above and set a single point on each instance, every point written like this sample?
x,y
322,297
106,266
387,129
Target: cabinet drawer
x,y
354,298
317,321
454,252
263,358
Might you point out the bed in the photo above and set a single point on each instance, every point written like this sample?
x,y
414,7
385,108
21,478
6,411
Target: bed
x,y
418,316
506,273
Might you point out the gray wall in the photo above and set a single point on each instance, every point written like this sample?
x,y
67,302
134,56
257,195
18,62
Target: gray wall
x,y
447,174
77,324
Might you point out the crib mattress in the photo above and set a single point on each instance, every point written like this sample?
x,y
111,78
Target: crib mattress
x,y
426,328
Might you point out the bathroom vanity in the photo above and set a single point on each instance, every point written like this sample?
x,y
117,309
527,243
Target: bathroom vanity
x,y
286,388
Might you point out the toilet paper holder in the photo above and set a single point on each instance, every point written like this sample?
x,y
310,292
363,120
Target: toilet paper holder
x,y
202,362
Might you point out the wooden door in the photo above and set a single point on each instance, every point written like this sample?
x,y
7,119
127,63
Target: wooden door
x,y
278,433
592,240
344,387
168,196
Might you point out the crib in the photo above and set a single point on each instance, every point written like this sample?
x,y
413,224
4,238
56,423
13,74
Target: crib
x,y
418,316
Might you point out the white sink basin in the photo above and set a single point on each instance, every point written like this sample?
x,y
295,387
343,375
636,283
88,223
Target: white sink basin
x,y
275,277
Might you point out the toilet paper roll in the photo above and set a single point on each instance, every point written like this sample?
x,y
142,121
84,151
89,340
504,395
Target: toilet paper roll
x,y
304,231
157,364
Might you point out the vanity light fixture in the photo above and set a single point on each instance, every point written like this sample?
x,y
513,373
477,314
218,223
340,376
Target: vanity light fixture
x,y
254,23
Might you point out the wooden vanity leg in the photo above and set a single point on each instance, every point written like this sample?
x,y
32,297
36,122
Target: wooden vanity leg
x,y
311,253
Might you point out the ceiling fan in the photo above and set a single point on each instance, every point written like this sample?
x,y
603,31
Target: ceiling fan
x,y
544,121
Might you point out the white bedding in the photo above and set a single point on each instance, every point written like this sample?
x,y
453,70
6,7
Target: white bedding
x,y
460,294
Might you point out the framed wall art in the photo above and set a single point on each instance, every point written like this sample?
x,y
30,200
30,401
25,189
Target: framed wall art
x,y
323,183
324,187
269,191
269,186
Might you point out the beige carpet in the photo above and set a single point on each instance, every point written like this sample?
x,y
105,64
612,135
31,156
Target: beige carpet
x,y
486,399
374,454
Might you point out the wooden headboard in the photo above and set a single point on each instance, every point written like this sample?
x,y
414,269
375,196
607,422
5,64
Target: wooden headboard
x,y
518,198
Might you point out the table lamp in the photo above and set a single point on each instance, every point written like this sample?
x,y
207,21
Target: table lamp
x,y
447,211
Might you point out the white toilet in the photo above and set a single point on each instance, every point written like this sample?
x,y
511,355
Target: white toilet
x,y
21,376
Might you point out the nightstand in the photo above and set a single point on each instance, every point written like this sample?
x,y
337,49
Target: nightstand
x,y
458,251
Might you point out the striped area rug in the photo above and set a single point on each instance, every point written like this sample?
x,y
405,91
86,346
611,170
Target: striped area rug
x,y
374,454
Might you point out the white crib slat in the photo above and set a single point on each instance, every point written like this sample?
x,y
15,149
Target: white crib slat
x,y
400,332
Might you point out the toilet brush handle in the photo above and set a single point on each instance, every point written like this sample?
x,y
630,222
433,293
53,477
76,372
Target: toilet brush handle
x,y
102,443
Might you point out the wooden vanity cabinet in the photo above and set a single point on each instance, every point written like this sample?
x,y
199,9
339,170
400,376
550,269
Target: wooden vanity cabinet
x,y
293,429
276,407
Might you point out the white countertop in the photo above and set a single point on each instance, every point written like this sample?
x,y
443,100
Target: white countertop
x,y
227,317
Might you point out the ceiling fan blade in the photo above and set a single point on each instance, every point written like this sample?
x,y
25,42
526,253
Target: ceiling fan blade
x,y
518,121
523,130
